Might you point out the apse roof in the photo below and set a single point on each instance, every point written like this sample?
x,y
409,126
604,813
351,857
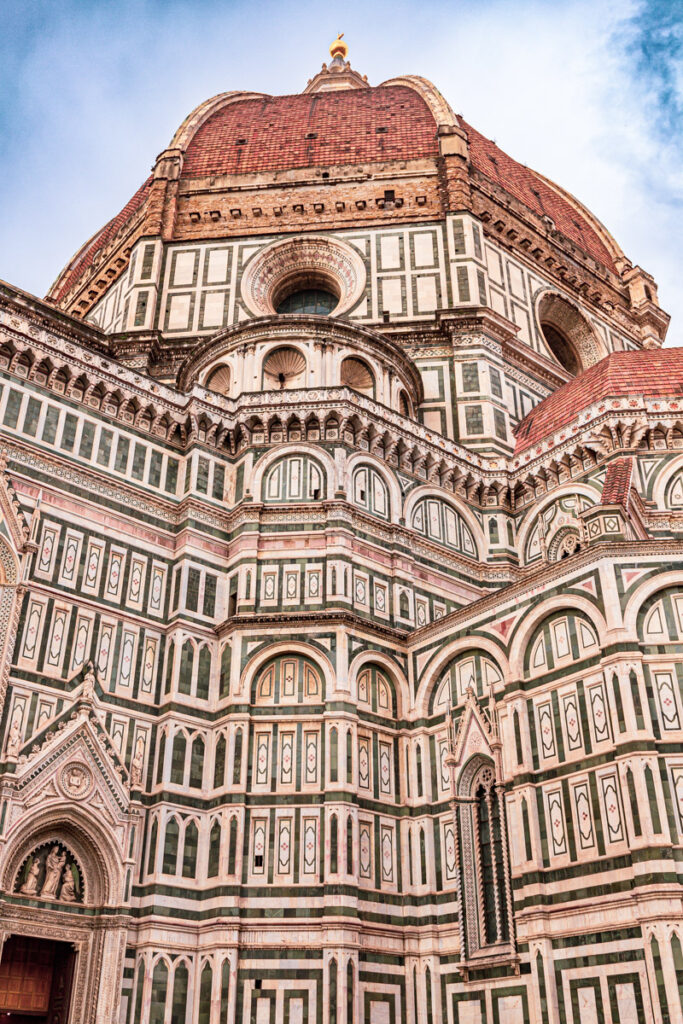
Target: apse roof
x,y
646,372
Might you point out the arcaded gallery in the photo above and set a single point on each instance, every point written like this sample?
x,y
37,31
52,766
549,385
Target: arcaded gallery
x,y
341,589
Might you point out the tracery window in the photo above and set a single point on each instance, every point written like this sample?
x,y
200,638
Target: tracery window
x,y
439,521
294,478
484,869
288,680
370,492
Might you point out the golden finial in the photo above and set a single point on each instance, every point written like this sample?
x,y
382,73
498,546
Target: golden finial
x,y
338,48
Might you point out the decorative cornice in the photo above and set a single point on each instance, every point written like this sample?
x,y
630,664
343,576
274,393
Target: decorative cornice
x,y
539,580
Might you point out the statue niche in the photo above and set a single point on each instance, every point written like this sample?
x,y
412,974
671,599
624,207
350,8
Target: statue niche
x,y
51,872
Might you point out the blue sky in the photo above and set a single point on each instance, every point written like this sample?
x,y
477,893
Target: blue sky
x,y
589,92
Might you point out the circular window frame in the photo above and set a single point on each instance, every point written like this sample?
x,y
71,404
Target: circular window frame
x,y
285,266
553,308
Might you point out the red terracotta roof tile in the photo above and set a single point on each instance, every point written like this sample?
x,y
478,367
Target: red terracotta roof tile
x,y
313,130
615,490
526,186
645,372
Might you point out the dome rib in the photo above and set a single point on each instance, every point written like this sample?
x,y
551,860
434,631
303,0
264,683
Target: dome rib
x,y
536,193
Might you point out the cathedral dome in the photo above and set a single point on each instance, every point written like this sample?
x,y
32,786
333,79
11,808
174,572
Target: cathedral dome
x,y
339,129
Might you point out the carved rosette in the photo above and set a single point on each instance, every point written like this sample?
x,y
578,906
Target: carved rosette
x,y
76,781
322,260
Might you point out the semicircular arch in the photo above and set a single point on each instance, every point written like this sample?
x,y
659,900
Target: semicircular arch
x,y
434,671
364,660
263,466
523,630
647,590
659,486
428,491
359,459
260,659
531,518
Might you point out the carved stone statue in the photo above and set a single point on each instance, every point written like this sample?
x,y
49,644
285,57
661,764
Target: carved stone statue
x,y
14,739
68,893
88,692
30,886
136,766
53,870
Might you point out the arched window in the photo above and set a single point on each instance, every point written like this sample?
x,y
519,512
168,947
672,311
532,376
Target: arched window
x,y
480,822
232,847
152,856
157,1011
214,850
179,1004
170,659
633,800
225,989
334,830
178,759
370,492
197,763
294,478
219,763
190,847
170,861
224,686
333,992
204,673
137,1013
334,754
518,737
205,986
237,760
160,758
439,521
350,999
349,845
186,668
418,766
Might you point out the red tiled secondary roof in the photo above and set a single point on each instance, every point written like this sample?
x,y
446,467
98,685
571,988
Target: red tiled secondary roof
x,y
103,238
313,130
526,186
617,485
646,372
